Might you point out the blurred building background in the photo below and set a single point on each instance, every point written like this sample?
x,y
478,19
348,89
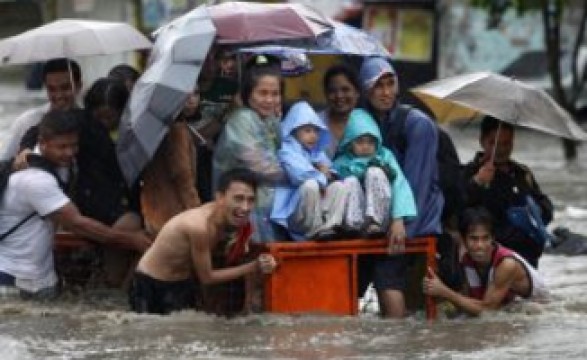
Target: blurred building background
x,y
428,38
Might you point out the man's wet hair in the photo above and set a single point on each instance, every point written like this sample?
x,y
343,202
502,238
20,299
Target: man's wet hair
x,y
254,73
60,122
106,92
241,175
489,124
124,72
474,216
224,53
341,69
61,65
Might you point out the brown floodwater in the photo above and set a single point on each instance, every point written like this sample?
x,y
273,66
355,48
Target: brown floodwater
x,y
97,325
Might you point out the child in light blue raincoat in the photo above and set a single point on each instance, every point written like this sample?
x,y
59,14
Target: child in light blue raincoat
x,y
380,197
312,203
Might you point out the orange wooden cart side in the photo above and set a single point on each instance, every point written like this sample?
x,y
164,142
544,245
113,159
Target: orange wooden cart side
x,y
312,276
322,276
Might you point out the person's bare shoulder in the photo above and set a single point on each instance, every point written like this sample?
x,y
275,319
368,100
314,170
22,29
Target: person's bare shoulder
x,y
507,271
193,223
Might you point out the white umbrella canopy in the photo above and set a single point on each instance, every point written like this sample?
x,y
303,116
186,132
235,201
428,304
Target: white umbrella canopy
x,y
507,99
71,38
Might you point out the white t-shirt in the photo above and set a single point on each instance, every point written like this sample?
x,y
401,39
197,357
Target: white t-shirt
x,y
19,128
27,254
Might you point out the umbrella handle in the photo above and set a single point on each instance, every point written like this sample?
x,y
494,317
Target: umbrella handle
x,y
492,158
71,76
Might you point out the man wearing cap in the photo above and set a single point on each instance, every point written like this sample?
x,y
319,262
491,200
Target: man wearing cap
x,y
417,158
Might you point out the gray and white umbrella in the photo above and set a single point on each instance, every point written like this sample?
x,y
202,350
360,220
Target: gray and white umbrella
x,y
174,66
509,100
71,38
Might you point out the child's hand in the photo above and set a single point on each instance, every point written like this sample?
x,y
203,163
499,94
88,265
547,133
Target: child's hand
x,y
324,169
396,237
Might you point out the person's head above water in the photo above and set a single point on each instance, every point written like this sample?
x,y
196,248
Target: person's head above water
x,y
342,89
125,73
495,132
262,88
57,76
476,228
235,196
379,84
105,101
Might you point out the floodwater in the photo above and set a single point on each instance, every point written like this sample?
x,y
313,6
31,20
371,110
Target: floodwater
x,y
96,325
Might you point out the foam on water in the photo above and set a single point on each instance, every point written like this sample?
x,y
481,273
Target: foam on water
x,y
13,349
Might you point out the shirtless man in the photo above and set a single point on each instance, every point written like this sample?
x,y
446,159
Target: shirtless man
x,y
164,279
494,274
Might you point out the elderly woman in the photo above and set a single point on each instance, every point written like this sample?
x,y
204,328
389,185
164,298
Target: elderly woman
x,y
342,90
251,140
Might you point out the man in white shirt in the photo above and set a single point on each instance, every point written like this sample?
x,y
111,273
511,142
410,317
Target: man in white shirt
x,y
62,94
26,254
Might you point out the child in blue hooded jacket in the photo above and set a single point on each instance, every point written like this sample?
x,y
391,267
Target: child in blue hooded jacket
x,y
312,203
380,196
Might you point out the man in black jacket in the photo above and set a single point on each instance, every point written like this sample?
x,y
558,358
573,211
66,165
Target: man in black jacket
x,y
495,181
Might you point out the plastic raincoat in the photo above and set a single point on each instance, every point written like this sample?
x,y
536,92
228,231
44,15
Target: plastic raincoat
x,y
247,141
347,164
298,162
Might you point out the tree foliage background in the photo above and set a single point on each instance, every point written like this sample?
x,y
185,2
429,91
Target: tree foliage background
x,y
552,17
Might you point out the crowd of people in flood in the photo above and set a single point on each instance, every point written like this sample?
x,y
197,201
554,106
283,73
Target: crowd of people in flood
x,y
239,166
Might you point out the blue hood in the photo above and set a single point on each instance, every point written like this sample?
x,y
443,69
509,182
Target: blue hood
x,y
372,69
300,114
360,123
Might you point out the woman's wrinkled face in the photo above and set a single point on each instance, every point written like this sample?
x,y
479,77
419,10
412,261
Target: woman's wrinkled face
x,y
383,94
266,96
342,96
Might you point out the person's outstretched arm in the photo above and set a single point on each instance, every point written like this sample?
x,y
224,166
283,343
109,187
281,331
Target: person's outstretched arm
x,y
71,219
496,291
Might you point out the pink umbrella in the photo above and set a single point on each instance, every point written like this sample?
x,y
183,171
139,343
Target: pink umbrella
x,y
242,22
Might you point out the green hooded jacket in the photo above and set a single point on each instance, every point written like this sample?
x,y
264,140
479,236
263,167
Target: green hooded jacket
x,y
347,164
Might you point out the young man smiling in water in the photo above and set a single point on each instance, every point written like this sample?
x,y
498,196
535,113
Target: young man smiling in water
x,y
494,274
164,280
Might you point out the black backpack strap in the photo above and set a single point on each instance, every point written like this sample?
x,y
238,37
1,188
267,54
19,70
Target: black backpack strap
x,y
35,161
15,227
39,162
